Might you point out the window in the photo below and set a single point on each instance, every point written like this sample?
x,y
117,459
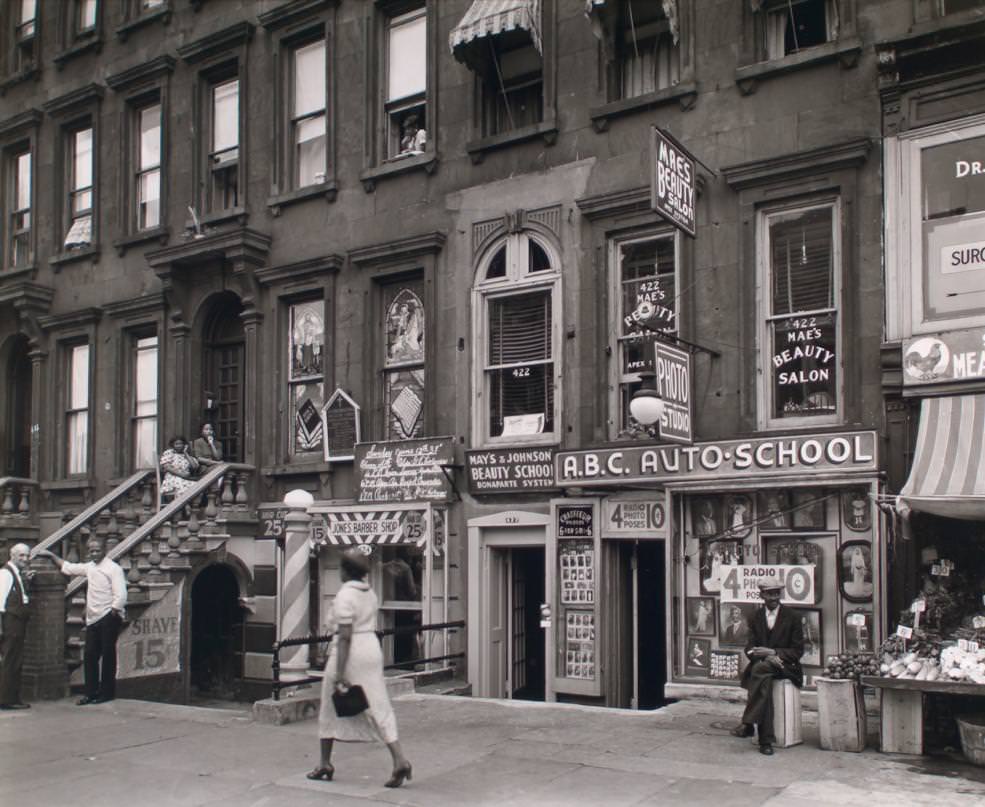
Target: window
x,y
84,19
80,188
646,50
224,145
517,347
802,260
406,83
25,34
794,25
306,380
310,143
19,188
646,274
143,411
147,180
514,91
404,330
77,411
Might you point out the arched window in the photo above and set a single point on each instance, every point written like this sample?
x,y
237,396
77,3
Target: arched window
x,y
516,353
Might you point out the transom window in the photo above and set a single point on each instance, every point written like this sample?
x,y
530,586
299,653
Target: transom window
x,y
802,262
518,353
308,114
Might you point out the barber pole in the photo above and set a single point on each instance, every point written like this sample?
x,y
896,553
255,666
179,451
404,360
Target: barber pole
x,y
294,593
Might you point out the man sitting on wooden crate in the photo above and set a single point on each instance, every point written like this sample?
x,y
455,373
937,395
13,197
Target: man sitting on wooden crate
x,y
774,649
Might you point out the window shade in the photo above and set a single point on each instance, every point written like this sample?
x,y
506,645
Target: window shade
x,y
802,259
520,329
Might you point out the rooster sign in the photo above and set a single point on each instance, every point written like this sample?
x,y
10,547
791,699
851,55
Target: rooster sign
x,y
926,359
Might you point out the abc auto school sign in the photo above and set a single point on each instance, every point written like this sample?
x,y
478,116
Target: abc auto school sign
x,y
842,452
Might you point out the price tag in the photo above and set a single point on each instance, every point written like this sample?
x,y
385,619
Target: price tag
x,y
936,570
857,620
978,622
904,632
963,644
919,606
946,571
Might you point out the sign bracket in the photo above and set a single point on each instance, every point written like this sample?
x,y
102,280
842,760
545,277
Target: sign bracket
x,y
445,469
694,346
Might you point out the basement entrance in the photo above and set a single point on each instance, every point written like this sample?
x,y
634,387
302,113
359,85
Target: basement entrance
x,y
217,641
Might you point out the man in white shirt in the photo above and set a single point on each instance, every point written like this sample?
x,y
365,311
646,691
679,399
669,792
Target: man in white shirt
x,y
14,612
106,598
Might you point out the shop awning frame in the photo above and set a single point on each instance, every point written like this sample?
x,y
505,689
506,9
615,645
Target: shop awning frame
x,y
947,477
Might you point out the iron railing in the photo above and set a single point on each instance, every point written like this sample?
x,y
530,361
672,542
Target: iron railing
x,y
277,685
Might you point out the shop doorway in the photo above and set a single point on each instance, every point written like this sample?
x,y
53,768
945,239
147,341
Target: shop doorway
x,y
651,624
217,635
527,678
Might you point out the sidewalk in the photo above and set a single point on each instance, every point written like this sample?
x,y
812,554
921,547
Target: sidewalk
x,y
465,751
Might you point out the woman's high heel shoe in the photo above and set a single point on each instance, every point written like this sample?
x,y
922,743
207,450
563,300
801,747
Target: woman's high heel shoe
x,y
399,774
322,772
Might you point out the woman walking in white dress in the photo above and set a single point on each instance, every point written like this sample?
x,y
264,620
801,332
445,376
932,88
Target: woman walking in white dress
x,y
356,658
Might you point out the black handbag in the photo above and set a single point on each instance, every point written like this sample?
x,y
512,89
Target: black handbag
x,y
350,702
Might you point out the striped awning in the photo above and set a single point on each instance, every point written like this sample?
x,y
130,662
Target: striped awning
x,y
353,528
948,473
493,18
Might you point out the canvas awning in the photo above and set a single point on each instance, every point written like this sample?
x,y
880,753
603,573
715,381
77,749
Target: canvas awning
x,y
601,13
948,473
514,20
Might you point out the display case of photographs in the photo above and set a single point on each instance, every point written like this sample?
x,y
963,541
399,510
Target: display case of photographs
x,y
576,571
579,644
725,665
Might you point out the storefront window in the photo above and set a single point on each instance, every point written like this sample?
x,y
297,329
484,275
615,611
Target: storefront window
x,y
802,319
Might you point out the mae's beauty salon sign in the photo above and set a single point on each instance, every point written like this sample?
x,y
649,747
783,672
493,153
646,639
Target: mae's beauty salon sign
x,y
841,452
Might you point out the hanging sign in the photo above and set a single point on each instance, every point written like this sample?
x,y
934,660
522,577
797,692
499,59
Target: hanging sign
x,y
151,644
358,527
673,368
944,358
672,180
340,427
741,583
404,470
510,470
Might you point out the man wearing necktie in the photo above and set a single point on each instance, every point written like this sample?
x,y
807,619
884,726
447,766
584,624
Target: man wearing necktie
x,y
15,604
774,650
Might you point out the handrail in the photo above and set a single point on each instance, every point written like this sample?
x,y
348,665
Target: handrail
x,y
175,505
92,510
277,685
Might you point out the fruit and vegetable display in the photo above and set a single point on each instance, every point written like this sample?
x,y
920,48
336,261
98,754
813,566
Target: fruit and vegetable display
x,y
851,666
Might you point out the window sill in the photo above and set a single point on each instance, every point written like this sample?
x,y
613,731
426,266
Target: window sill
x,y
328,189
297,469
399,165
162,14
160,234
846,51
89,253
20,273
94,43
236,214
685,94
78,483
546,129
33,72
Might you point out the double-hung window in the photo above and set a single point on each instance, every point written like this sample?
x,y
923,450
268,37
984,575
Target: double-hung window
x,y
148,164
306,379
25,34
84,18
80,193
308,121
19,190
77,410
795,25
143,409
223,157
646,296
647,54
517,301
801,264
406,82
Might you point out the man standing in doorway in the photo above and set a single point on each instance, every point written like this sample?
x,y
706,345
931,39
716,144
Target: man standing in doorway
x,y
774,649
106,597
15,578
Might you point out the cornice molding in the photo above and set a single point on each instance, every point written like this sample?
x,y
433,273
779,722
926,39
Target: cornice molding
x,y
27,295
300,270
290,13
777,168
72,319
75,101
227,39
399,251
241,245
615,203
146,304
146,72
28,119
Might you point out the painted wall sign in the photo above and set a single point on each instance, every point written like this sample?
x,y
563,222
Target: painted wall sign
x,y
673,368
634,517
510,470
404,470
340,427
151,644
672,180
846,452
271,520
944,358
741,583
575,521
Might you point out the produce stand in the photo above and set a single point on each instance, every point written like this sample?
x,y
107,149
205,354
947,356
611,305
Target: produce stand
x,y
901,722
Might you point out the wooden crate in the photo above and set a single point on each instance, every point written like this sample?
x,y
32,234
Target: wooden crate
x,y
840,714
786,714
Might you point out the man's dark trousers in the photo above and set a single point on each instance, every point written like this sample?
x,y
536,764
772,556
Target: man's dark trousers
x,y
100,646
12,648
759,706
